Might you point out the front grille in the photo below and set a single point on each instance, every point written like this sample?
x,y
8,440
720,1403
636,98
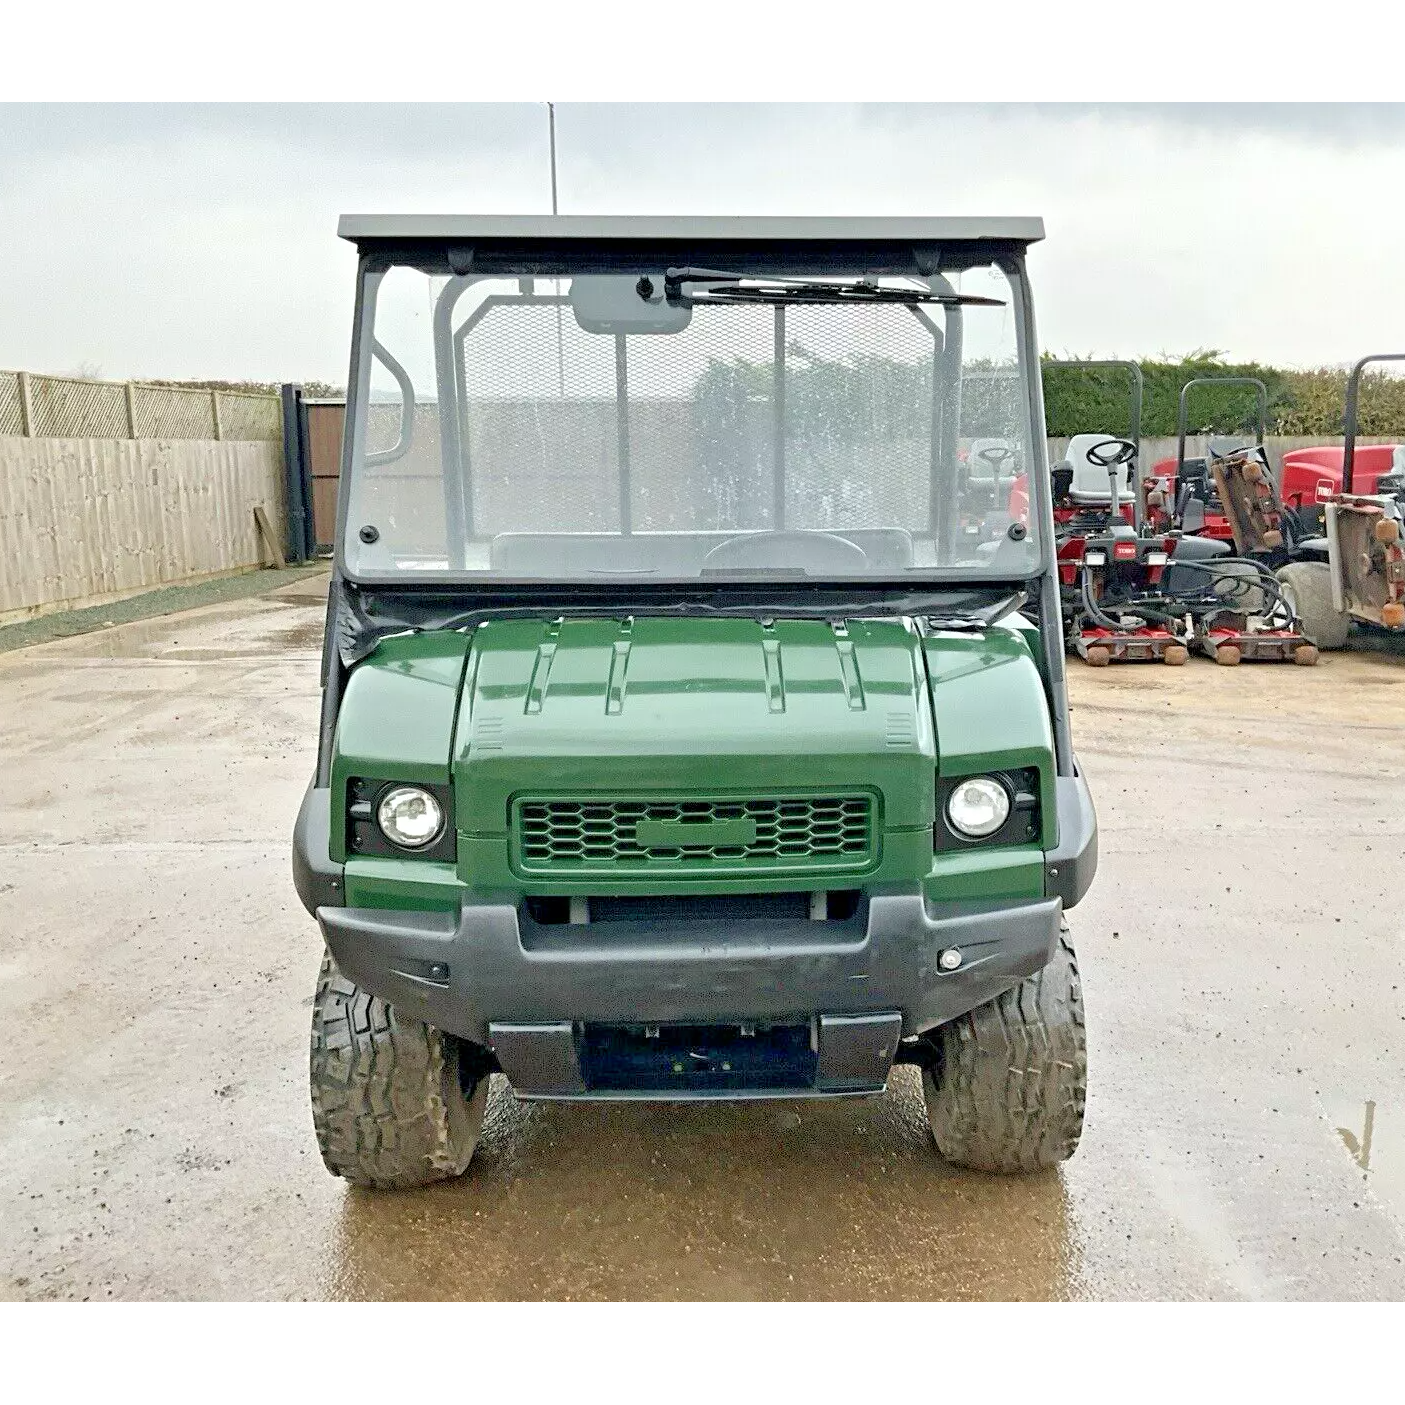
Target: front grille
x,y
695,835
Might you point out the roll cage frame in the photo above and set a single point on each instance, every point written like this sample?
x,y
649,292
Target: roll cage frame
x,y
469,249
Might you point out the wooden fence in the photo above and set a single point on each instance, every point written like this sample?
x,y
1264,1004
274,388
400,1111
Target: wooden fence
x,y
85,521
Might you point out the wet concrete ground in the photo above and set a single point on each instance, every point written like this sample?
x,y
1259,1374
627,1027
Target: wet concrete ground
x,y
1243,969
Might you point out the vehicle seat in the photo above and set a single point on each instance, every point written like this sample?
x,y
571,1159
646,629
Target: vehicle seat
x,y
981,472
1090,487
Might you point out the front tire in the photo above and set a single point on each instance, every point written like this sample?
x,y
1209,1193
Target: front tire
x,y
394,1102
1007,1089
1307,587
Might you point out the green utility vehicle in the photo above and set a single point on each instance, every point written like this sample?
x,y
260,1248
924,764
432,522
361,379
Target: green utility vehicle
x,y
694,721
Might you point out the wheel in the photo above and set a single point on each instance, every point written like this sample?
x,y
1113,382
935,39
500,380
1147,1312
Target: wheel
x,y
1227,654
1175,655
394,1103
1006,1090
1307,587
1386,531
1305,655
1098,656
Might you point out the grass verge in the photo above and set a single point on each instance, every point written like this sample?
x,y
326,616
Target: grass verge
x,y
166,600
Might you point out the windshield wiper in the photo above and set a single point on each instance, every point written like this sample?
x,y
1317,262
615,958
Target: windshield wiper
x,y
740,288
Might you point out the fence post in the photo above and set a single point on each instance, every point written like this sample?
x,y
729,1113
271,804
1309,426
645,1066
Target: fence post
x,y
294,477
129,394
215,412
26,407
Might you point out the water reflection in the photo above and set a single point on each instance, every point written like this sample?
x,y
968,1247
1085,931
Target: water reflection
x,y
1360,1148
830,1200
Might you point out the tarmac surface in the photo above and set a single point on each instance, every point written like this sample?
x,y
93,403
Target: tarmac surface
x,y
1243,970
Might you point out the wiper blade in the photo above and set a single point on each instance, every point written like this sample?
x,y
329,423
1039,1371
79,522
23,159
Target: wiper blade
x,y
740,288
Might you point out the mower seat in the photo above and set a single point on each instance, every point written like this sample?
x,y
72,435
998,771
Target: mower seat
x,y
980,473
1090,486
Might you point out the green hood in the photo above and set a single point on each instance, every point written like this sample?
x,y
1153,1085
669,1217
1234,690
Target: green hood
x,y
806,751
720,711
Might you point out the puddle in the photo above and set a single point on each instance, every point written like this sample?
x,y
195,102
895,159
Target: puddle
x,y
305,636
1374,1138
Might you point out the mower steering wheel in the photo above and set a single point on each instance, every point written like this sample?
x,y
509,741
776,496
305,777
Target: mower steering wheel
x,y
1108,453
997,456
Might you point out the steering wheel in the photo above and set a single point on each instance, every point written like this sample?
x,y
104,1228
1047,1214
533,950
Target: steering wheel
x,y
1107,453
812,552
997,456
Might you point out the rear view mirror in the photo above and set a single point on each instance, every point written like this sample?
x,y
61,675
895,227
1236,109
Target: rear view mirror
x,y
627,304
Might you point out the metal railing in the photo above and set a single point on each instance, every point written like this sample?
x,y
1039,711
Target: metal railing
x,y
69,407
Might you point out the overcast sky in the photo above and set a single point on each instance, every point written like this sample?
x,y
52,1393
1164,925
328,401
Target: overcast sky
x,y
180,241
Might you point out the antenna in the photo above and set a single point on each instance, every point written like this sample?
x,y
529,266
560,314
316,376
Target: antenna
x,y
560,344
551,130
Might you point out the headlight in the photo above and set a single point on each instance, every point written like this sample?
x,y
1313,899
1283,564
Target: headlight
x,y
978,807
409,817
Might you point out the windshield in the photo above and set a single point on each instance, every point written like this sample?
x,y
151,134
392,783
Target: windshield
x,y
614,427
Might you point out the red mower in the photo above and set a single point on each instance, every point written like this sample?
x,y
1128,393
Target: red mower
x,y
1107,568
1240,609
1354,570
1132,591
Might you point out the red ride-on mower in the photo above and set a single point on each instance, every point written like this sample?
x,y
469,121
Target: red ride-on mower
x,y
1110,573
1312,477
1175,483
1239,610
987,478
1111,567
1355,571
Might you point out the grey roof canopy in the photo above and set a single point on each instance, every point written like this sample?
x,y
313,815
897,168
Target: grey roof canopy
x,y
1004,229
486,245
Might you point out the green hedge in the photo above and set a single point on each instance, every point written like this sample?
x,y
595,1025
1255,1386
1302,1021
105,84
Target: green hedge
x,y
1299,402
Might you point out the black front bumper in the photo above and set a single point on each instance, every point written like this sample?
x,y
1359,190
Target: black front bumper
x,y
492,975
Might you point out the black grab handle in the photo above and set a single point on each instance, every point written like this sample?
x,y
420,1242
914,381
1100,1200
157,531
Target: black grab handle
x,y
1353,391
1261,398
